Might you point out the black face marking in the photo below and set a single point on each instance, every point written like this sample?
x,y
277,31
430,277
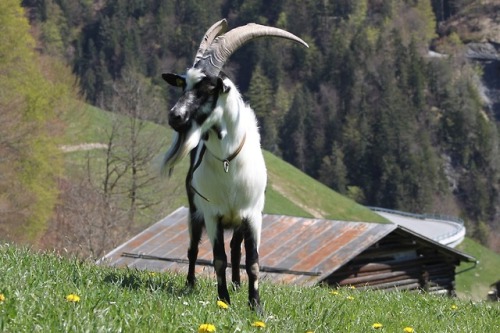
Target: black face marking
x,y
206,94
195,104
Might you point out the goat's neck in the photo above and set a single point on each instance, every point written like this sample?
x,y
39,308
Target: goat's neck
x,y
226,136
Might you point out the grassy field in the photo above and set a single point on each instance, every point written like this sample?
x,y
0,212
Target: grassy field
x,y
35,289
474,283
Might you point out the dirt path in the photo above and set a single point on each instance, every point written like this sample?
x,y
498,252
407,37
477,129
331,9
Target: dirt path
x,y
315,213
82,147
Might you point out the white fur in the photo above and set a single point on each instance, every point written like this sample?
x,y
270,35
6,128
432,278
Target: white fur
x,y
193,76
239,193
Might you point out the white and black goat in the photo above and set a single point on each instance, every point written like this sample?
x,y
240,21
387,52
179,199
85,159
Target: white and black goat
x,y
227,175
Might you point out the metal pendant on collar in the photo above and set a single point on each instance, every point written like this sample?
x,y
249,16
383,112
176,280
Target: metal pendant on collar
x,y
225,162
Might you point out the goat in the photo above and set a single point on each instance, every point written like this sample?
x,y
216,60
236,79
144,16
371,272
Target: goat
x,y
227,176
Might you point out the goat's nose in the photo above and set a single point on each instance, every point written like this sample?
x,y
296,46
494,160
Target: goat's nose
x,y
176,119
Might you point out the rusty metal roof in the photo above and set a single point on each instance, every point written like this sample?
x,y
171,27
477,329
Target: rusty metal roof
x,y
306,250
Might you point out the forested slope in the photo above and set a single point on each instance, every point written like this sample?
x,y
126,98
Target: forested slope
x,y
365,110
34,92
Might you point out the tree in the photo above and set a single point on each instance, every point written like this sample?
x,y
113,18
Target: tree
x,y
333,171
33,96
132,146
103,203
86,222
53,30
293,133
260,95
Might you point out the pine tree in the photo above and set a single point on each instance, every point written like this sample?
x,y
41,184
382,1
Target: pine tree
x,y
333,171
293,132
260,95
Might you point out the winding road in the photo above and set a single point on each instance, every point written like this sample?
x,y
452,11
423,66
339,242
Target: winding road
x,y
446,230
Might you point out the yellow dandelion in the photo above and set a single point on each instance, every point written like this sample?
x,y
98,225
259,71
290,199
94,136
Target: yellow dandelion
x,y
377,326
2,297
222,305
309,331
350,298
206,328
352,287
454,307
408,329
334,292
73,298
259,324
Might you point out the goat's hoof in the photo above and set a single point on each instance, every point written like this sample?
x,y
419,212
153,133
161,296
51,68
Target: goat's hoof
x,y
191,283
256,307
227,301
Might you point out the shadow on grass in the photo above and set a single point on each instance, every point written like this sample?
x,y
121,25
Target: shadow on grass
x,y
151,281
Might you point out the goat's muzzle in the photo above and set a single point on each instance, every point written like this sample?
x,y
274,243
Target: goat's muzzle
x,y
178,121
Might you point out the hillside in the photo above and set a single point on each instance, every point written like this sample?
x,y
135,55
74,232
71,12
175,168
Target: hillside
x,y
365,110
49,293
290,191
102,177
306,193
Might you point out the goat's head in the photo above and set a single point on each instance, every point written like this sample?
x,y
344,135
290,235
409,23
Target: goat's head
x,y
203,84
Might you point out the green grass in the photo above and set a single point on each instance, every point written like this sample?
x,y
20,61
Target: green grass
x,y
87,124
35,286
312,196
475,283
276,203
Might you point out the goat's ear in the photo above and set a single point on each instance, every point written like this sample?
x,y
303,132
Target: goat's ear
x,y
222,86
174,79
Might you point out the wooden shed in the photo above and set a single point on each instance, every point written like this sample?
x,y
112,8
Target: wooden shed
x,y
306,251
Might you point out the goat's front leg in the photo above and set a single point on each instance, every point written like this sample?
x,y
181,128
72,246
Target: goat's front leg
x,y
252,266
220,264
236,257
195,231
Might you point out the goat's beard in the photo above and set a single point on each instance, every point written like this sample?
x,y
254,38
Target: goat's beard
x,y
183,143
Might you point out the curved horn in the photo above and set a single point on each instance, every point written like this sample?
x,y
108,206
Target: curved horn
x,y
223,46
215,30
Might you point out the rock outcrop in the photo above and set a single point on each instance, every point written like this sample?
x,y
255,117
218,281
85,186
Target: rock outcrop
x,y
487,55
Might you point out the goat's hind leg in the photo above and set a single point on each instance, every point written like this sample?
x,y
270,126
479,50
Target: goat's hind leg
x,y
236,257
195,231
252,237
220,264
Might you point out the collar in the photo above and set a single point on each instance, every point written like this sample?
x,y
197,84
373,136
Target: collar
x,y
225,162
